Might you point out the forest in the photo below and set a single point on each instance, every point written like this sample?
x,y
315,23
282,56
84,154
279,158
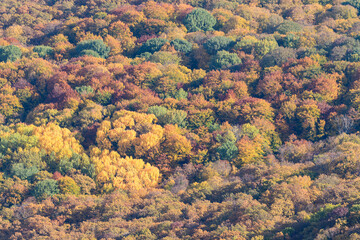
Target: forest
x,y
179,119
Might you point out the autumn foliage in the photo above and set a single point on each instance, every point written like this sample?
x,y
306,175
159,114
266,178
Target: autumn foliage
x,y
179,119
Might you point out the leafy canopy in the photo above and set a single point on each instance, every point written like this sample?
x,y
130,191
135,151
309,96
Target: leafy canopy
x,y
224,59
199,19
97,46
9,53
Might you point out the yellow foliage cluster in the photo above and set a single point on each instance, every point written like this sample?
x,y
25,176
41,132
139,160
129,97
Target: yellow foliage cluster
x,y
115,172
9,103
175,145
59,140
130,130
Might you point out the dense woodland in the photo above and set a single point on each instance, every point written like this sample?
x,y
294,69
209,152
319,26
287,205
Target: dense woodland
x,y
184,119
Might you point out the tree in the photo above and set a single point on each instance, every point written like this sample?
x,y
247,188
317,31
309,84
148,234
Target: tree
x,y
270,85
153,45
201,118
290,40
296,150
246,44
158,111
272,23
150,27
153,10
181,45
121,32
224,59
278,57
44,51
10,105
67,185
165,58
235,23
251,108
176,146
353,54
218,43
288,26
97,46
354,3
88,52
16,138
173,77
228,150
327,86
343,12
143,75
88,115
199,19
130,133
250,151
61,141
9,53
12,191
264,46
61,45
19,170
45,188
308,117
86,184
114,172
165,116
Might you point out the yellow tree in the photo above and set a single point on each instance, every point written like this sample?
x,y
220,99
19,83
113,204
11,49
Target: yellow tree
x,y
61,141
10,104
130,133
121,32
175,145
114,172
250,151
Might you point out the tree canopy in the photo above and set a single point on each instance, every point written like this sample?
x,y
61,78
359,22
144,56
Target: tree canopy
x,y
199,19
231,119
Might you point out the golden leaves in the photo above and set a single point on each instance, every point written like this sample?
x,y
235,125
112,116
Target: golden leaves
x,y
59,140
115,172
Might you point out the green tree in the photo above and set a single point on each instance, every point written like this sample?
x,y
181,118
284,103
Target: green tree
x,y
289,26
19,170
218,43
166,116
84,90
43,51
181,94
353,55
199,19
277,57
246,44
228,150
224,59
103,98
153,45
158,111
45,188
264,46
181,45
9,53
88,52
290,40
97,46
174,117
